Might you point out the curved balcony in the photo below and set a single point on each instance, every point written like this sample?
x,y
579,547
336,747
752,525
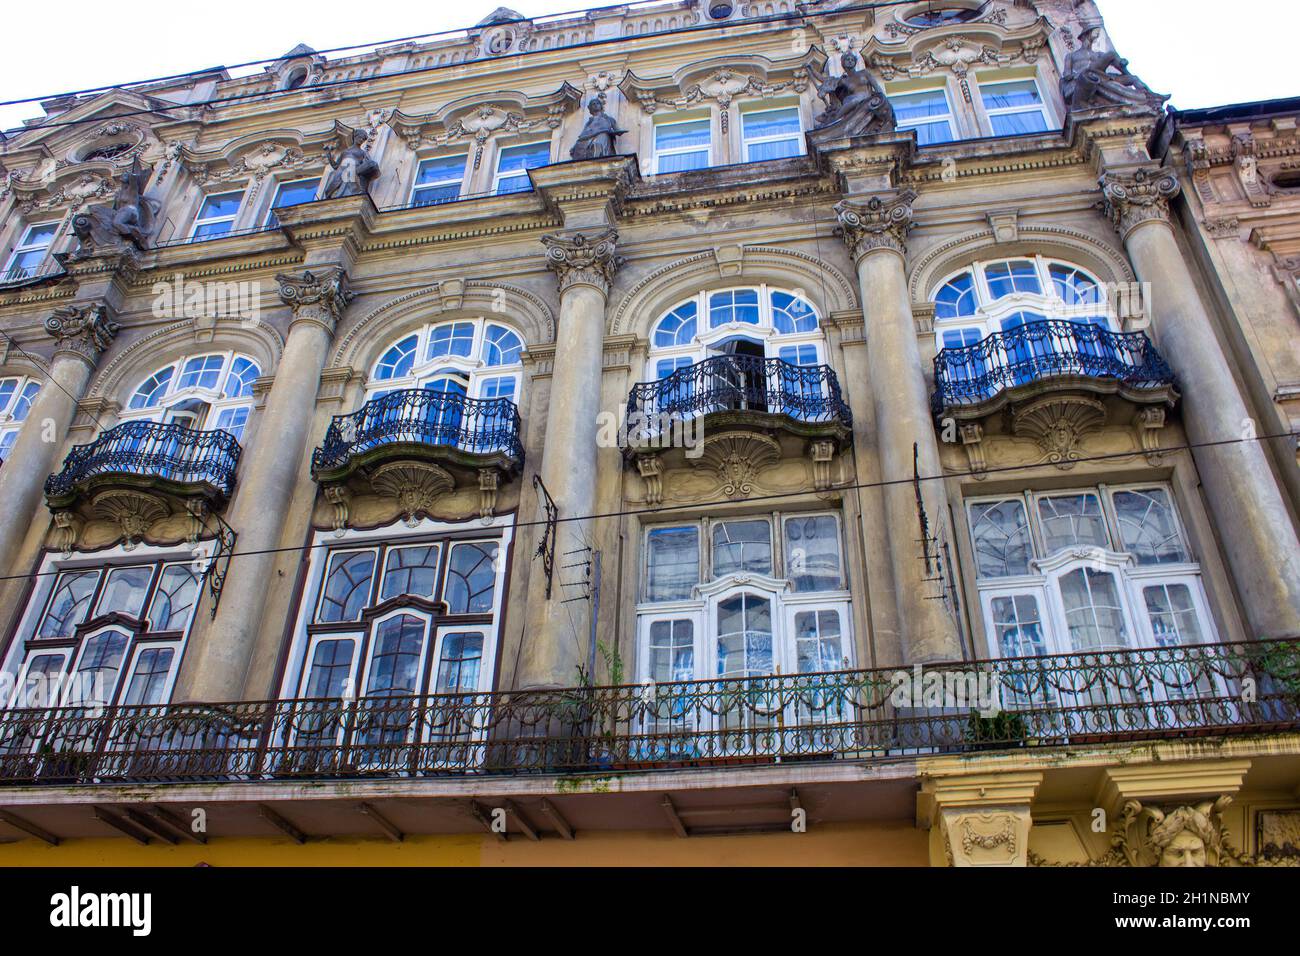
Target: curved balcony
x,y
1040,356
745,391
442,433
164,458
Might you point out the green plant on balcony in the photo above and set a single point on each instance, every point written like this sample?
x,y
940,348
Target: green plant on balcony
x,y
1279,661
1000,731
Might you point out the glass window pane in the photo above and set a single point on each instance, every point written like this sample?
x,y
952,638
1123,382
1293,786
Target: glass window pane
x,y
1018,124
149,678
1148,527
1018,626
772,149
226,204
501,346
178,590
672,563
471,578
782,122
956,299
818,647
455,338
1000,532
520,158
1172,614
791,315
681,135
233,420
678,327
69,604
1069,521
201,372
742,546
812,553
411,571
41,234
459,663
124,591
1008,278
734,305
150,393
347,586
439,180
672,651
1001,96
331,668
1074,286
681,162
96,676
745,636
1093,614
42,683
239,382
395,657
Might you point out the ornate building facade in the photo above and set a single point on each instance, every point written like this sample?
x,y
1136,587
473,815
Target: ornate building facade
x,y
862,434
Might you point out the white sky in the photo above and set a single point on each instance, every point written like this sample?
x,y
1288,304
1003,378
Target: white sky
x,y
1184,47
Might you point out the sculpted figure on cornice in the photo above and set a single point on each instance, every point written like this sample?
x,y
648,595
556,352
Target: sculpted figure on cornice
x,y
1087,80
353,169
127,222
599,135
855,103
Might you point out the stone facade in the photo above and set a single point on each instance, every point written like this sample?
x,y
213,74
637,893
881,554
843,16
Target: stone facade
x,y
395,450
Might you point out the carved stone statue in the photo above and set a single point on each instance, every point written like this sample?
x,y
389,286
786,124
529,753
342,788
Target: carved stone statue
x,y
855,103
127,221
353,169
1087,81
599,134
1188,836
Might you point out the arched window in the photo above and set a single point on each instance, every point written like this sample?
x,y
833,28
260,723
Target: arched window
x,y
17,392
998,295
202,391
478,358
761,321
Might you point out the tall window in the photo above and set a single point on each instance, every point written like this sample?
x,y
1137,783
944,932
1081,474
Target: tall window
x,y
513,163
742,597
440,180
17,392
401,616
30,252
772,133
680,145
216,215
928,112
292,194
106,634
1086,570
1014,107
202,391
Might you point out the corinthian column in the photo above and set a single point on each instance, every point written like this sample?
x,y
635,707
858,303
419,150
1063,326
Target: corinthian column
x,y
584,265
1250,513
215,669
81,334
876,232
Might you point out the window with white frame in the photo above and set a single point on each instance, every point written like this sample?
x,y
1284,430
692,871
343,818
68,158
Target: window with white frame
x,y
201,391
1093,569
682,144
771,132
291,194
105,634
474,357
30,252
513,163
1002,294
17,392
929,112
743,597
440,179
216,215
1014,106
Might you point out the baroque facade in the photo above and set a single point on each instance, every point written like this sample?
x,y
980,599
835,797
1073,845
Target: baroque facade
x,y
864,434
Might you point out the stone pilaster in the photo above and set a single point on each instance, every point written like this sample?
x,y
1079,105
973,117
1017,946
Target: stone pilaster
x,y
1254,523
875,230
980,819
215,669
584,264
81,334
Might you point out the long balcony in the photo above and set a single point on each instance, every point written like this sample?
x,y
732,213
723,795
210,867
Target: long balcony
x,y
1033,702
455,438
741,391
154,458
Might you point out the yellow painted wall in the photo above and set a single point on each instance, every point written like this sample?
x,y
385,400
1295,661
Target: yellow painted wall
x,y
839,845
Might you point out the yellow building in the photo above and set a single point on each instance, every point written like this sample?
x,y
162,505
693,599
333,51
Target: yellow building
x,y
860,434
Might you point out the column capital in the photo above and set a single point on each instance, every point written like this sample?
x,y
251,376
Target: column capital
x,y
583,259
1133,198
82,330
881,222
318,297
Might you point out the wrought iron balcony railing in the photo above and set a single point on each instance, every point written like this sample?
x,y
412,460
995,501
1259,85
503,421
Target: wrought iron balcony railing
x,y
1037,351
743,383
167,451
417,416
1074,700
17,275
